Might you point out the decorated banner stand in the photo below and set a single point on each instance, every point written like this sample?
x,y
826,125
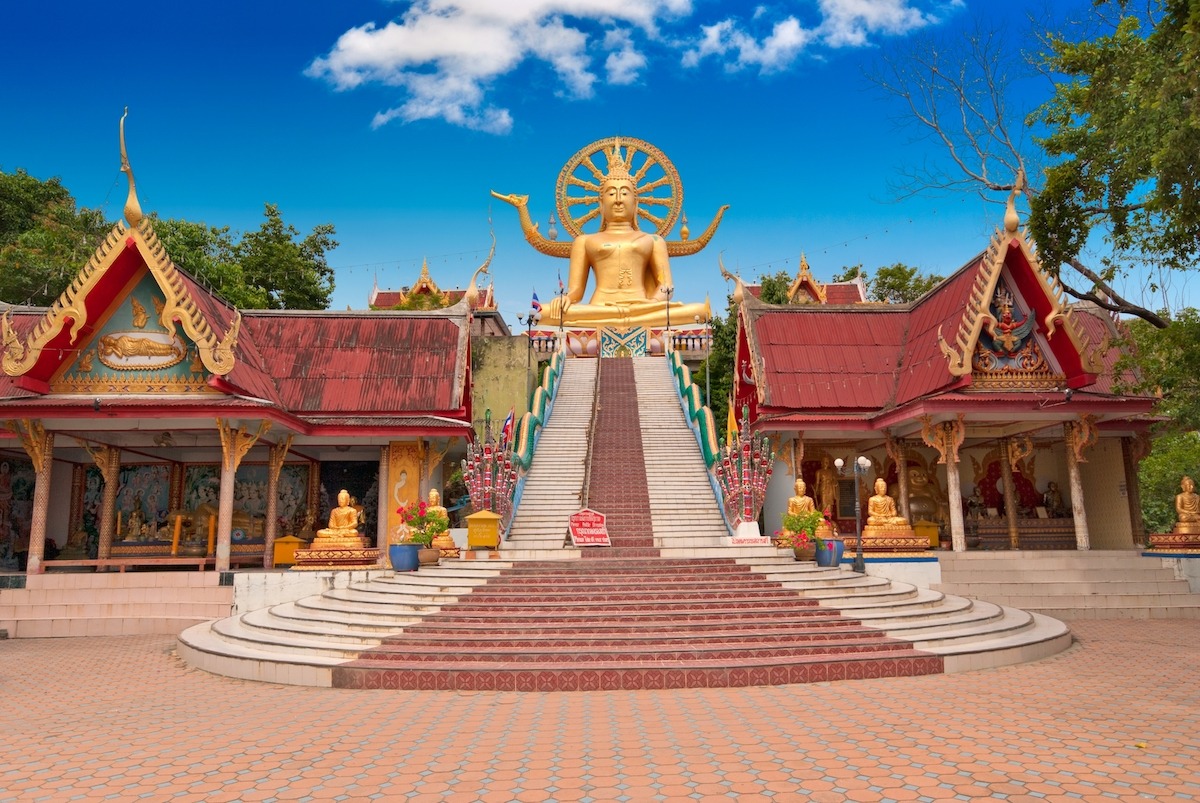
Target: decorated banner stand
x,y
743,472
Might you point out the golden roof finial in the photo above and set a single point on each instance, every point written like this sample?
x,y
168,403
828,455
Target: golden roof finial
x,y
1011,220
133,210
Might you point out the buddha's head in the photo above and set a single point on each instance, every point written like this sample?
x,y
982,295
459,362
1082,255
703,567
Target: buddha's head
x,y
343,498
881,486
435,498
800,486
917,477
1187,485
618,193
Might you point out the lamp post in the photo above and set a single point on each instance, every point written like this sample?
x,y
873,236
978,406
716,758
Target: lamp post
x,y
861,464
667,335
529,319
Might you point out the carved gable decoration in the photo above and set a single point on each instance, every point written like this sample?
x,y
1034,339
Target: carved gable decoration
x,y
132,351
1008,353
805,289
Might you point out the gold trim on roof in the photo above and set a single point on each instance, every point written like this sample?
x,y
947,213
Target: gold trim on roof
x,y
977,314
815,290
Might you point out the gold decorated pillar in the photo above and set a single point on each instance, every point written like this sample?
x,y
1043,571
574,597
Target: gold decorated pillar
x,y
39,445
1078,436
234,445
1010,492
946,437
897,450
382,506
274,467
108,461
1133,451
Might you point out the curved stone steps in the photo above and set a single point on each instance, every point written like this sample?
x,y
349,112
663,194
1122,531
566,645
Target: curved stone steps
x,y
269,620
234,630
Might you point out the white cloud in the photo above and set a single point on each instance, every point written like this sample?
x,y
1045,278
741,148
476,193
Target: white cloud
x,y
445,56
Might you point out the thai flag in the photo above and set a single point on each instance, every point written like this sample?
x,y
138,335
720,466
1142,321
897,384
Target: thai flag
x,y
535,304
507,429
561,289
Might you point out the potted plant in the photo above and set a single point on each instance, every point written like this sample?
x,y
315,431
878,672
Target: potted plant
x,y
798,533
423,526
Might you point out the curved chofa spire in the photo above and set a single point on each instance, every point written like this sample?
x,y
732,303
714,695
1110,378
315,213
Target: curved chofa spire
x,y
472,291
739,290
133,210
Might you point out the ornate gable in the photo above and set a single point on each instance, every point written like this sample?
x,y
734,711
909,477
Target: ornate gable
x,y
108,280
993,314
806,289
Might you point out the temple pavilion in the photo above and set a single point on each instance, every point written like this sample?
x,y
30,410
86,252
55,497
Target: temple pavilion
x,y
990,406
146,419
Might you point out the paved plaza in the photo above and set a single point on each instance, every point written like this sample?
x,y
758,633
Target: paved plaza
x,y
1116,717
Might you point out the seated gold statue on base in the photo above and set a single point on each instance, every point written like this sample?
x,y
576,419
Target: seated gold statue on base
x,y
342,532
1187,508
886,529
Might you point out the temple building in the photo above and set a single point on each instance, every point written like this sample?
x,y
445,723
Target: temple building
x,y
989,406
146,418
424,294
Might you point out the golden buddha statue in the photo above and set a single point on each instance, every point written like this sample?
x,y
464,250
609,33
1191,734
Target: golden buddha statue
x,y
1187,507
343,525
633,277
925,499
827,486
443,541
435,505
801,504
881,508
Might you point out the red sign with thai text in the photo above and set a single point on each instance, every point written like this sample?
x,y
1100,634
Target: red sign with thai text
x,y
588,528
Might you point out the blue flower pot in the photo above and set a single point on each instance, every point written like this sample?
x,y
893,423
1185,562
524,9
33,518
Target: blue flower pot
x,y
829,552
404,556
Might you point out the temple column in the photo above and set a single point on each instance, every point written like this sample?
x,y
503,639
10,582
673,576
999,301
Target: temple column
x,y
946,437
39,445
898,451
1133,451
108,460
1010,492
234,445
1078,436
274,467
384,502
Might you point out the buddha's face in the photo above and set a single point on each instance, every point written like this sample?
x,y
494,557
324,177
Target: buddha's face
x,y
343,498
917,477
880,486
1188,485
618,202
434,497
800,487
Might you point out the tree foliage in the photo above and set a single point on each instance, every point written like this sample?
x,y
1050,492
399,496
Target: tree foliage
x,y
45,238
1119,139
895,284
1163,362
1173,456
1125,135
774,288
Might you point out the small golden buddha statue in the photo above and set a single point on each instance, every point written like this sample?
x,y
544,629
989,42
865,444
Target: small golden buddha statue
x,y
881,508
1187,507
343,525
633,277
801,504
443,541
827,486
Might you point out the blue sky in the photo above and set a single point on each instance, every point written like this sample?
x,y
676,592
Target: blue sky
x,y
394,120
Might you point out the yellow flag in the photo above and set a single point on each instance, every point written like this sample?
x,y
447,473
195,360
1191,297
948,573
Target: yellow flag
x,y
731,427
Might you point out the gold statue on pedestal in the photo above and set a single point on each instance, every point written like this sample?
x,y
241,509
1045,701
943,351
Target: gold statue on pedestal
x,y
443,541
1187,508
802,504
633,277
886,529
339,546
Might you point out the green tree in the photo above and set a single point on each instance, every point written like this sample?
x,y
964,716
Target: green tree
x,y
209,254
293,272
1163,362
45,238
1173,456
895,284
717,370
1114,157
775,288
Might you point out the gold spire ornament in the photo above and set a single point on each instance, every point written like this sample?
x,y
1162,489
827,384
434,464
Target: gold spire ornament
x,y
133,210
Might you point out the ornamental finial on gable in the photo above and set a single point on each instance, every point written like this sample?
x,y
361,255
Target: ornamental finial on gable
x,y
133,210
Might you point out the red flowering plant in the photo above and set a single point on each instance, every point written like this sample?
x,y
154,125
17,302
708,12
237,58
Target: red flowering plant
x,y
423,524
798,529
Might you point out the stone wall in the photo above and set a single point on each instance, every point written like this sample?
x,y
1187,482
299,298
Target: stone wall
x,y
500,375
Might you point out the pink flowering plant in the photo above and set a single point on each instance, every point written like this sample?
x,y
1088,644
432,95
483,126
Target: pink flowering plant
x,y
798,529
423,524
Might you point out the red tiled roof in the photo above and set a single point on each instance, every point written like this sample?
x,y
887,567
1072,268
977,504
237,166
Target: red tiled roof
x,y
843,293
924,368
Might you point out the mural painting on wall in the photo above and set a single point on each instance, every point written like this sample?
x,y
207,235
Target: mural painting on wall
x,y
1007,353
134,346
404,474
16,509
143,501
361,479
202,486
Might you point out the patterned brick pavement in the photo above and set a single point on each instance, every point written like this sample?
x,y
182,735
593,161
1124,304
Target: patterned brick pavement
x,y
1117,717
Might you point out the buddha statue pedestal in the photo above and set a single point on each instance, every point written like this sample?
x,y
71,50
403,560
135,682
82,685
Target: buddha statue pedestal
x,y
337,552
888,538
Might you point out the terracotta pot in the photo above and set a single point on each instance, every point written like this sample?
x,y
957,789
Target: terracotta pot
x,y
429,556
808,552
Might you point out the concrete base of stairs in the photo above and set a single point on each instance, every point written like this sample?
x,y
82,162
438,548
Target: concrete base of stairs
x,y
356,636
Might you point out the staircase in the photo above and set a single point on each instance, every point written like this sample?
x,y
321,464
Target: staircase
x,y
1090,584
554,483
670,604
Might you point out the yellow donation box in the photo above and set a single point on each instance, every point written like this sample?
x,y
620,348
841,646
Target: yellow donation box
x,y
483,530
928,530
285,550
